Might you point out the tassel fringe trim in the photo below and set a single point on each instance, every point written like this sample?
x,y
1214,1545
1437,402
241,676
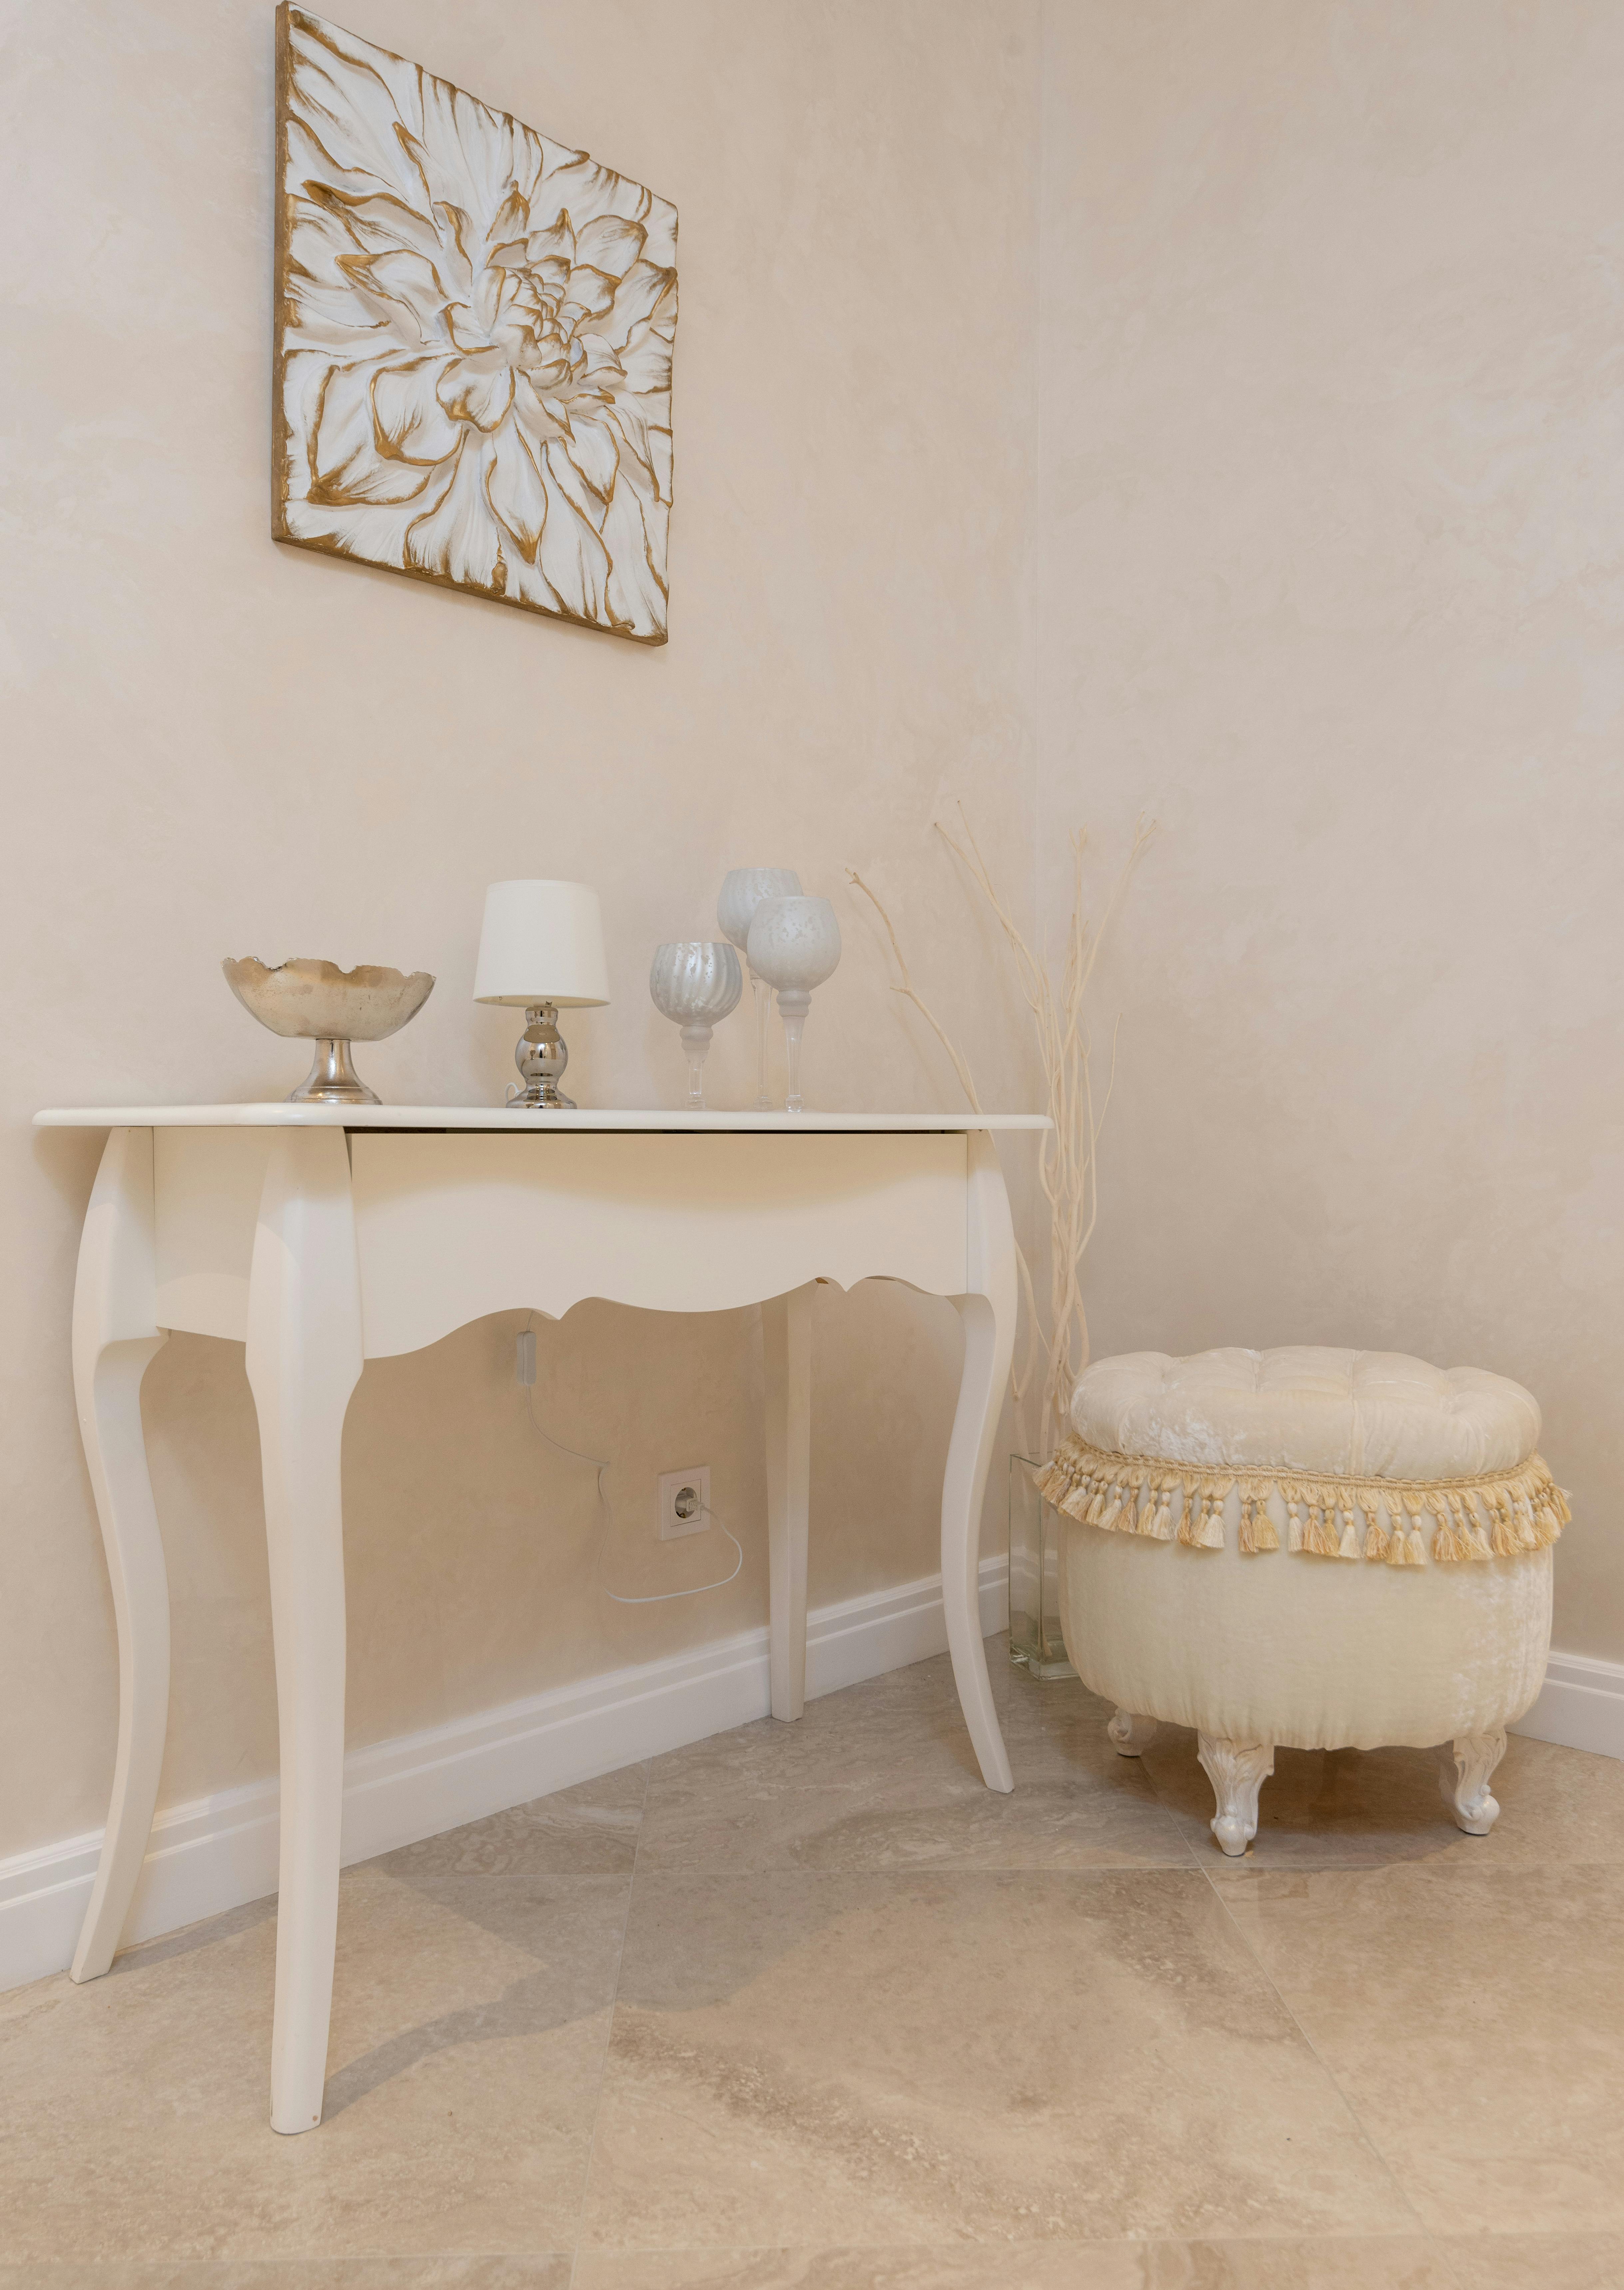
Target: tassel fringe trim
x,y
1499,1516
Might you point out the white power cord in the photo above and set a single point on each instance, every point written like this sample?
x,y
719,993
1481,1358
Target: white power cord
x,y
659,1597
601,1463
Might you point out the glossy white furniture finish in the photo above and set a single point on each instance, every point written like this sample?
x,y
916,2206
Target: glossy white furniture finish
x,y
324,1236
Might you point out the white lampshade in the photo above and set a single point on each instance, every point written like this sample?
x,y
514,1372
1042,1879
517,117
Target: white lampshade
x,y
542,941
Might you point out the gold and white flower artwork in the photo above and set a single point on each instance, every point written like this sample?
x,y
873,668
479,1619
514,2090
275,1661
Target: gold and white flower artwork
x,y
474,331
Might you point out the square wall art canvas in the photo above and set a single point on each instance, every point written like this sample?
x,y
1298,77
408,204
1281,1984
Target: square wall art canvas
x,y
473,331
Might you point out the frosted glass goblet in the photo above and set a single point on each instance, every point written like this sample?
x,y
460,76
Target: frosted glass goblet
x,y
743,889
696,982
795,945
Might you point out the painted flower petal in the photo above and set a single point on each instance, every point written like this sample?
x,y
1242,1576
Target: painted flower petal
x,y
556,244
637,298
477,388
511,220
571,558
374,530
488,297
379,223
567,479
593,448
456,538
589,294
321,240
330,84
407,282
345,465
515,490
636,592
465,329
629,416
540,419
659,453
611,244
550,277
336,320
546,365
457,237
409,423
646,360
602,366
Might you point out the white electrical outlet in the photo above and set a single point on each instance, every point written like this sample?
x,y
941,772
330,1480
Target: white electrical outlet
x,y
684,1501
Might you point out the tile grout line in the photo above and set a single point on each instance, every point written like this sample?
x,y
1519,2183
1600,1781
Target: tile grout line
x,y
597,2105
1314,2052
1206,1872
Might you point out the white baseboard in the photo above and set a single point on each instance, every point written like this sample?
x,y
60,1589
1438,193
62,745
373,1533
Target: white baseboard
x,y
219,1852
1581,1705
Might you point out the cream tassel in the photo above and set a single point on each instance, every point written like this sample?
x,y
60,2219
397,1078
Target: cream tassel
x,y
1202,1526
1257,1528
1407,1547
1377,1538
1477,1540
1157,1522
1447,1541
1321,1537
1504,1540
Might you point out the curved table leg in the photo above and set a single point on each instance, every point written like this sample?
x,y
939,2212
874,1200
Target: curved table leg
x,y
114,1339
304,1361
786,1323
988,1317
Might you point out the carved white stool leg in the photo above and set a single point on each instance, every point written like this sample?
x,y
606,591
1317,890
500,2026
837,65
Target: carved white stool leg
x,y
304,1361
1237,1771
987,1316
786,1327
1130,1736
1464,1781
114,1339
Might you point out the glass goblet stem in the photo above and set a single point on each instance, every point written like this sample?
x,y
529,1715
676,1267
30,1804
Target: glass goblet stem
x,y
793,1004
696,1043
764,1007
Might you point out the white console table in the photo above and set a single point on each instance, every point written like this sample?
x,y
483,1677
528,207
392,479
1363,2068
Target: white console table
x,y
325,1235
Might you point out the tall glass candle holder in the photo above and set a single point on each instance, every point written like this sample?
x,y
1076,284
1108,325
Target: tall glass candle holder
x,y
795,945
1035,1527
695,983
743,890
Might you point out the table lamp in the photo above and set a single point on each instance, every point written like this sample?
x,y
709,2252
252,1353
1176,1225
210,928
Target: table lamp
x,y
541,950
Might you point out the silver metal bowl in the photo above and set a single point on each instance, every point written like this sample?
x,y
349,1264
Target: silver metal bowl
x,y
318,1002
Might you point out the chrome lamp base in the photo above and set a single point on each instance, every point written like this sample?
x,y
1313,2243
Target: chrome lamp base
x,y
541,1058
332,1079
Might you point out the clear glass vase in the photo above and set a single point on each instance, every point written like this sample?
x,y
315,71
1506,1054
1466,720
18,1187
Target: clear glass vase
x,y
1035,1527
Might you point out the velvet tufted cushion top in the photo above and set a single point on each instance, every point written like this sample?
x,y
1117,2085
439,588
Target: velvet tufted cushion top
x,y
1308,1408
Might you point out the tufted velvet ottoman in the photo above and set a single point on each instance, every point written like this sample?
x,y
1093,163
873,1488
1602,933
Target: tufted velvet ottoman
x,y
1322,1549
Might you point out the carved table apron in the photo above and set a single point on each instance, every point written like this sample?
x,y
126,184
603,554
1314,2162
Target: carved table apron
x,y
323,1237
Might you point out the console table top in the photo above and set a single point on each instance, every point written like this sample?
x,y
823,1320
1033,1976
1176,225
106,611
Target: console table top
x,y
285,1116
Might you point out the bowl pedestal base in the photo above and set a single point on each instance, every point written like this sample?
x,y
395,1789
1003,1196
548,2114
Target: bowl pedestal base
x,y
332,1079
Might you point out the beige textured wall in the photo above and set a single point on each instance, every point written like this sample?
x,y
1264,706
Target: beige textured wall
x,y
1332,557
214,746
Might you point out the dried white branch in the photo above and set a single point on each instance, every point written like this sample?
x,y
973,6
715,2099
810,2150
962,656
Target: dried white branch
x,y
1068,1171
965,1079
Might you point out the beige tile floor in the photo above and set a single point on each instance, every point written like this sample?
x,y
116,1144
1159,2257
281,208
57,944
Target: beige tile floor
x,y
806,2006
